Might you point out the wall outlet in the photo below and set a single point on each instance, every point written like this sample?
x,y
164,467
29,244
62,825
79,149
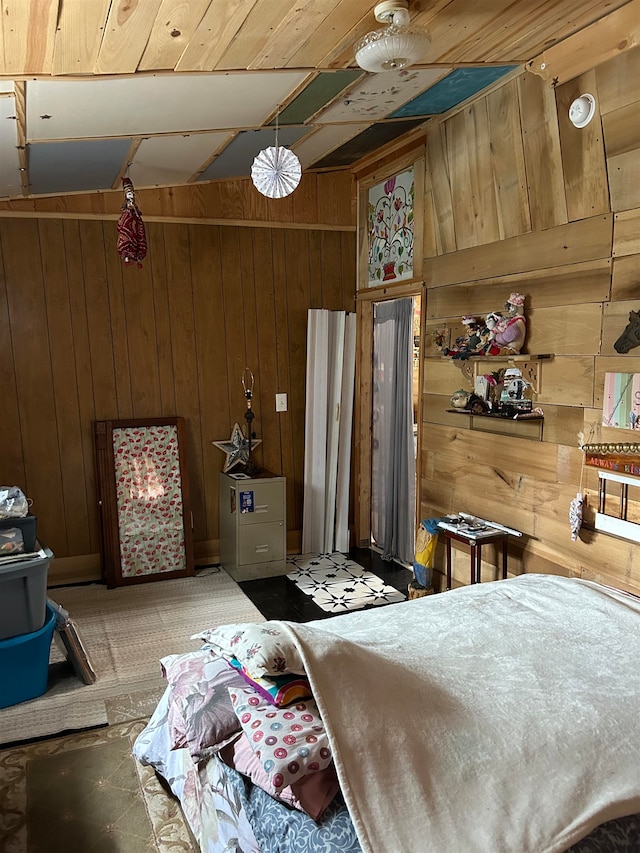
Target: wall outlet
x,y
281,402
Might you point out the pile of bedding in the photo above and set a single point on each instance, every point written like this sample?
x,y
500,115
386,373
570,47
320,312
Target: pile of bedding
x,y
244,699
501,716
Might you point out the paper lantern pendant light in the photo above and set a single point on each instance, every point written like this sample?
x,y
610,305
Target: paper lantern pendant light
x,y
276,171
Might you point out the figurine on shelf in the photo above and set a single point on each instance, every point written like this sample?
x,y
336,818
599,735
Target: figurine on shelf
x,y
509,332
466,344
468,401
460,398
488,333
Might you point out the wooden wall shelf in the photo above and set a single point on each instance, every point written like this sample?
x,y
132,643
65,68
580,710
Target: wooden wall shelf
x,y
528,364
529,427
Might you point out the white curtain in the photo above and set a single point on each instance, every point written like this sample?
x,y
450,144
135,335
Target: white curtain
x,y
393,454
331,352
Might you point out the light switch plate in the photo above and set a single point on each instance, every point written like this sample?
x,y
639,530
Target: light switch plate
x,y
281,402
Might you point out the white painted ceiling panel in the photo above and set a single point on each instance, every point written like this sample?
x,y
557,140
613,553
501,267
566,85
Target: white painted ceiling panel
x,y
10,179
325,140
130,106
6,86
377,95
165,160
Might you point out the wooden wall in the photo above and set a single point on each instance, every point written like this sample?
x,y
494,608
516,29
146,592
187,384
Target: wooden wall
x,y
516,198
323,200
83,338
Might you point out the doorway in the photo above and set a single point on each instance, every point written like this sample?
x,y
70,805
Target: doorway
x,y
394,416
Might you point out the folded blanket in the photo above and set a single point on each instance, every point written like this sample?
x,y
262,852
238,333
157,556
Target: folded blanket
x,y
499,717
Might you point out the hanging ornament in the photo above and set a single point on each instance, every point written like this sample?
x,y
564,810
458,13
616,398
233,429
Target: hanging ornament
x,y
276,171
132,241
575,515
577,504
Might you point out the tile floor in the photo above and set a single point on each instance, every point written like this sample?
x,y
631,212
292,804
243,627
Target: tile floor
x,y
280,598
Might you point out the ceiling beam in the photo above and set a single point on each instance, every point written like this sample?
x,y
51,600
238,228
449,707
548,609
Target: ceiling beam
x,y
617,32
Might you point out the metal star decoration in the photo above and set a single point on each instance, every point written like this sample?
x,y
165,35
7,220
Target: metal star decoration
x,y
236,448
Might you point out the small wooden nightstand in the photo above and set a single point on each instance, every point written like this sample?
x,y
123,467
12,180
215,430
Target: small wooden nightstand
x,y
475,532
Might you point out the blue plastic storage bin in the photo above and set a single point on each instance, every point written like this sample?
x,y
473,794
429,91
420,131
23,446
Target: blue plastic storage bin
x,y
24,663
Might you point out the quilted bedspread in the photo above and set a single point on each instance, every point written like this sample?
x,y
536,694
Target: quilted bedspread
x,y
499,717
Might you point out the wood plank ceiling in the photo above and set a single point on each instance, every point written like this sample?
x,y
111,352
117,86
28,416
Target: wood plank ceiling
x,y
176,91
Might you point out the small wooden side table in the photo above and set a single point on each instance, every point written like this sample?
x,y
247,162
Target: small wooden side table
x,y
475,539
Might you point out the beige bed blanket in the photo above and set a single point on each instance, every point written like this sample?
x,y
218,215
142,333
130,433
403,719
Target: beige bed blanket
x,y
498,718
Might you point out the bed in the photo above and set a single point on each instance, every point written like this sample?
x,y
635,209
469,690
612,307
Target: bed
x,y
498,717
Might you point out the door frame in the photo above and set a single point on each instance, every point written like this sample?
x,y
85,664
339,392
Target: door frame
x,y
365,298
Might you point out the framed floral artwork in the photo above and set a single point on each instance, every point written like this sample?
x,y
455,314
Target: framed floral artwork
x,y
390,226
143,497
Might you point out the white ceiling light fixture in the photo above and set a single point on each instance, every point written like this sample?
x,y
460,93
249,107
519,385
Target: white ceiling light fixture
x,y
276,172
394,47
582,110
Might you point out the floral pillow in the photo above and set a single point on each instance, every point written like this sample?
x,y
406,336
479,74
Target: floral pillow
x,y
200,712
263,649
290,742
280,690
312,794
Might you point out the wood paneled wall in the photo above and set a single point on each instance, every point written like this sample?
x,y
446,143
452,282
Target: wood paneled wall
x,y
516,198
83,338
324,200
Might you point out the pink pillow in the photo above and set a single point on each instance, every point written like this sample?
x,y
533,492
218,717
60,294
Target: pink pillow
x,y
290,742
311,794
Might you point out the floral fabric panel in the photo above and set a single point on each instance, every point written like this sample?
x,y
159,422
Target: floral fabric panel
x,y
149,500
390,227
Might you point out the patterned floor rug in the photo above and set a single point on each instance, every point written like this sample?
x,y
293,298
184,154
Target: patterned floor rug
x,y
125,632
336,583
86,792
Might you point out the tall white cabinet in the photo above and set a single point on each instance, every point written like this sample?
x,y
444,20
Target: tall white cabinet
x,y
253,526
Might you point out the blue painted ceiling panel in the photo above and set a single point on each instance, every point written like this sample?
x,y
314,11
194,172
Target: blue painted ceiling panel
x,y
237,158
452,90
64,167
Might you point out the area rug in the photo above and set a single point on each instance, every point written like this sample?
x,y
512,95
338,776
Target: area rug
x,y
336,583
125,632
86,792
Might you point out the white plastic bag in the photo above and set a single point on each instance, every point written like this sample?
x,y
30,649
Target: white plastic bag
x,y
13,503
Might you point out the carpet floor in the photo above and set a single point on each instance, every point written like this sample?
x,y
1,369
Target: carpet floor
x,y
125,632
